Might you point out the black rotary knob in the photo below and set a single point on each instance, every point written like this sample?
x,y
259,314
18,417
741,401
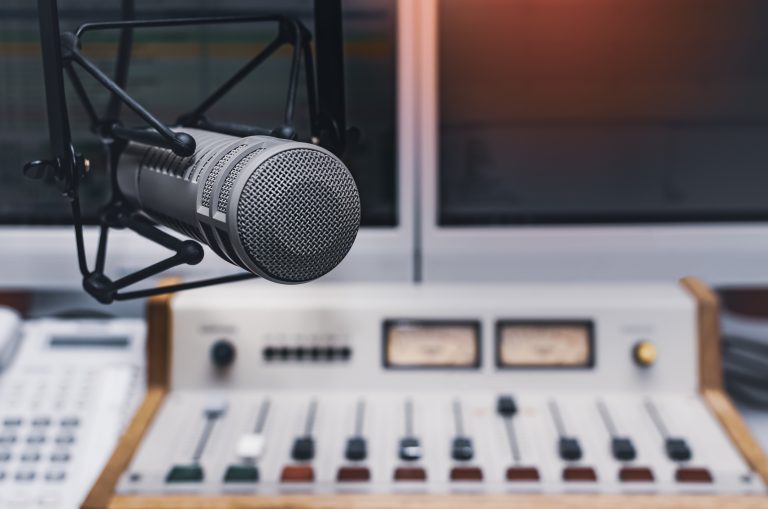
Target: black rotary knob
x,y
223,353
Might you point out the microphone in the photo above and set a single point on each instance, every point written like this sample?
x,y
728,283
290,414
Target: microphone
x,y
283,210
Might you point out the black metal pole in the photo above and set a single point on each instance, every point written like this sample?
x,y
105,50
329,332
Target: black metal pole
x,y
174,22
124,47
53,73
196,114
58,118
83,95
329,41
309,72
138,294
293,80
182,144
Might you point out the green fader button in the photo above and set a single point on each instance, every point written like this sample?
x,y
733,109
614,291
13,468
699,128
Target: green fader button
x,y
185,473
241,473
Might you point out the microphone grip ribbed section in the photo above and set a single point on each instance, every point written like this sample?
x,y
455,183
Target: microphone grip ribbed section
x,y
164,185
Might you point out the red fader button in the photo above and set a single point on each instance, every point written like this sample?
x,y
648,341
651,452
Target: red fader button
x,y
580,474
466,474
693,474
297,473
410,474
635,474
523,474
353,474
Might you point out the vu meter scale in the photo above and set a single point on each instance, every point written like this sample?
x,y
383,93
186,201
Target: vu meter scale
x,y
400,415
548,344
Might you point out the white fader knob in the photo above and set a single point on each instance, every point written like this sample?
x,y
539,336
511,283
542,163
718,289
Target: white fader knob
x,y
250,446
249,449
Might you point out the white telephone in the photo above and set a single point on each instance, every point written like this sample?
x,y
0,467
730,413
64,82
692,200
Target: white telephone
x,y
64,400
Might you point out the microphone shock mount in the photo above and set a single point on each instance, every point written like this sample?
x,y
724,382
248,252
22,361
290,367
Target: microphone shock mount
x,y
62,55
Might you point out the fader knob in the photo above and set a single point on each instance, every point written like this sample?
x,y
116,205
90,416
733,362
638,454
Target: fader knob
x,y
223,353
410,449
303,449
506,406
623,449
569,449
461,449
677,449
356,449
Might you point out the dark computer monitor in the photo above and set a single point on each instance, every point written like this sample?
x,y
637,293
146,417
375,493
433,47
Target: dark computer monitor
x,y
171,71
596,138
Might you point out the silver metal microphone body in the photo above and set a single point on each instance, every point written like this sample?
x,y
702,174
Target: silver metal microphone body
x,y
284,210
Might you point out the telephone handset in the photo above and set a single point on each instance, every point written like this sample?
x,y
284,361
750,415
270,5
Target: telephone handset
x,y
10,335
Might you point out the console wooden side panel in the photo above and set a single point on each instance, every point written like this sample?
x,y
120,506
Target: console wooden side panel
x,y
103,490
711,377
721,405
708,318
159,336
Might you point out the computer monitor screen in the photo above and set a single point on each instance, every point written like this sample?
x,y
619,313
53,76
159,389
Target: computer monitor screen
x,y
172,70
601,111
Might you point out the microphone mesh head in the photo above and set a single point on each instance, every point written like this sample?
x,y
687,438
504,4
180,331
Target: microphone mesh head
x,y
298,214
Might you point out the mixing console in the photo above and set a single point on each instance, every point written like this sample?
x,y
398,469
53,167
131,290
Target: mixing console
x,y
354,389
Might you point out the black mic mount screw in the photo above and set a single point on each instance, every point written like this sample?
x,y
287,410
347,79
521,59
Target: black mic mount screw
x,y
54,170
41,169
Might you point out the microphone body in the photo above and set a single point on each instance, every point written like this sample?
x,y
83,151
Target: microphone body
x,y
286,211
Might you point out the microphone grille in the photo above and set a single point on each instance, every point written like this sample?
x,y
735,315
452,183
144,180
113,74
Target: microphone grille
x,y
298,214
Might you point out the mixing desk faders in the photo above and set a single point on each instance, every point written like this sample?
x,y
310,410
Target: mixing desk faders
x,y
437,442
445,390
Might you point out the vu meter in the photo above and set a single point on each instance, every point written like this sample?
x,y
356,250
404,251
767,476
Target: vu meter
x,y
431,344
544,344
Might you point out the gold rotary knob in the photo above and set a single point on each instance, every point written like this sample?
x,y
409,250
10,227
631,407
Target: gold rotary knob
x,y
645,353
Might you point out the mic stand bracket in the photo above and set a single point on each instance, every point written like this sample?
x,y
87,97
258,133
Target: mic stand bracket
x,y
62,55
188,252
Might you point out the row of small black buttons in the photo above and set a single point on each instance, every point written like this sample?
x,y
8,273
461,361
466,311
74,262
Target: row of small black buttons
x,y
312,353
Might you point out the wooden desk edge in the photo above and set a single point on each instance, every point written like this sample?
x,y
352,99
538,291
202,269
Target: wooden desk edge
x,y
376,501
